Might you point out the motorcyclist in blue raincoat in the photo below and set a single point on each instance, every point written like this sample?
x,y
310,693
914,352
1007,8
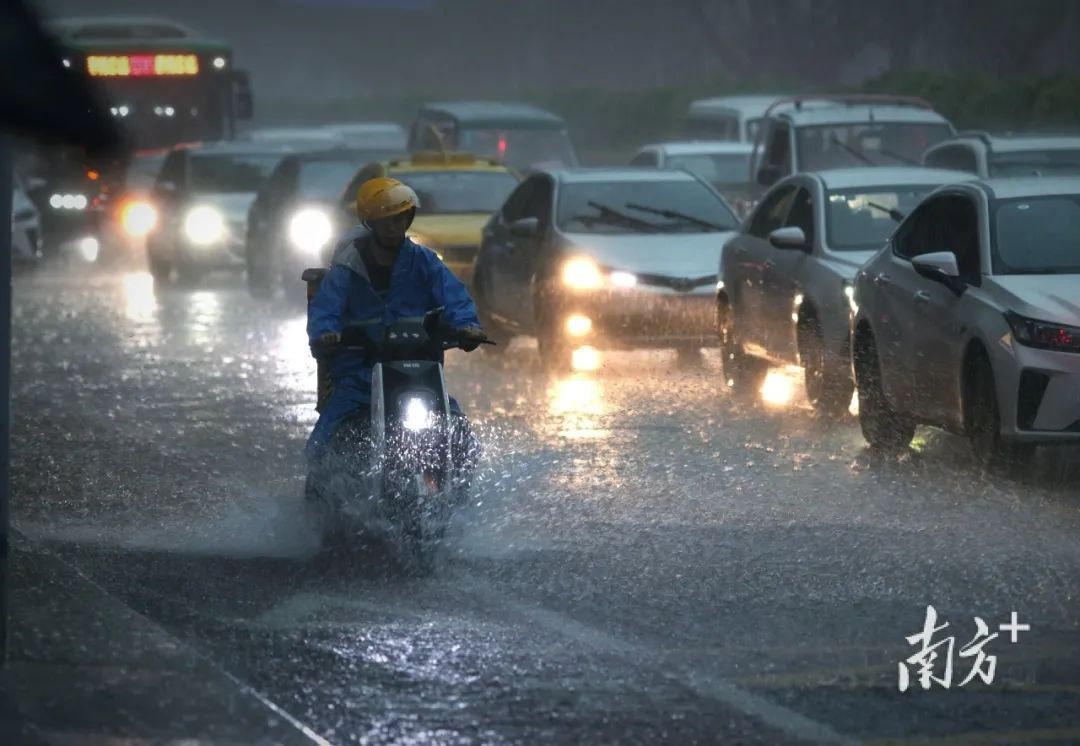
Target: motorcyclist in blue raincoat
x,y
380,275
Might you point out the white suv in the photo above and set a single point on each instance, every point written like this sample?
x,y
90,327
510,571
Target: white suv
x,y
991,157
969,320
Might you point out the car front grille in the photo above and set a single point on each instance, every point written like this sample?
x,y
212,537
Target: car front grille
x,y
1029,397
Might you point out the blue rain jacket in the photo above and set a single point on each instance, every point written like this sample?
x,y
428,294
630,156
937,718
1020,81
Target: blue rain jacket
x,y
419,282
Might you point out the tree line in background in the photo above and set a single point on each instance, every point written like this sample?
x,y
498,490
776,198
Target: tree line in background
x,y
609,125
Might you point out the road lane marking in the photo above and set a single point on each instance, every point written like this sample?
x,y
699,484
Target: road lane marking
x,y
705,685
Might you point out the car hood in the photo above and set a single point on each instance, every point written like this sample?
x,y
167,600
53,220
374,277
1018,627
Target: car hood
x,y
685,255
1040,297
847,263
450,230
233,205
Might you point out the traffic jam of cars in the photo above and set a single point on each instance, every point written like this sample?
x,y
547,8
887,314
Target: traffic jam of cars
x,y
785,231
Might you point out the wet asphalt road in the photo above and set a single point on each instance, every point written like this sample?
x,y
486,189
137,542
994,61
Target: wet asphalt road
x,y
644,559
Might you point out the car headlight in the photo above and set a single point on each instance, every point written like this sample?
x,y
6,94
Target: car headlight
x,y
204,225
1044,335
623,279
416,414
138,218
582,274
310,229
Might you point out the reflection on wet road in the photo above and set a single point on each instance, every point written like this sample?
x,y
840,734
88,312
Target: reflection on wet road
x,y
643,559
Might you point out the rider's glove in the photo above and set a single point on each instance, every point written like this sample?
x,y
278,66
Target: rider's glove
x,y
470,337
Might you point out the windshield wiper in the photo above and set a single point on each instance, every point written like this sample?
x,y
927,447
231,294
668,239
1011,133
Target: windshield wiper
x,y
892,212
852,151
676,215
897,157
610,214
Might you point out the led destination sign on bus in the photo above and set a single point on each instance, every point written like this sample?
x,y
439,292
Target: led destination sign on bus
x,y
141,65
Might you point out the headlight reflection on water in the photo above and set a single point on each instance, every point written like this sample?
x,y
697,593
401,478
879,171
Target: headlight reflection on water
x,y
140,303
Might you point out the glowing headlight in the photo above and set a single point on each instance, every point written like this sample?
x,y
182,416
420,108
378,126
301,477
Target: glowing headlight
x,y
310,229
623,279
582,274
417,414
138,218
89,248
204,225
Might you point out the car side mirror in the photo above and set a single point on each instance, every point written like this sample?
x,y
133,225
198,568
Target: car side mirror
x,y
791,237
768,174
940,266
525,228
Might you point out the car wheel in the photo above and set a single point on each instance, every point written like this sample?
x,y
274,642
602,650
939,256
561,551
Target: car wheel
x,y
983,419
258,274
556,355
883,427
159,269
189,275
828,386
743,374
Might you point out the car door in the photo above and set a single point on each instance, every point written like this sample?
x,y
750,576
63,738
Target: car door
x,y
937,343
903,297
782,272
525,253
500,248
744,267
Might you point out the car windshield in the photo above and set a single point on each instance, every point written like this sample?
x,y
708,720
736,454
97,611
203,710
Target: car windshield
x,y
143,171
1037,235
521,148
866,144
863,219
324,179
642,207
1035,163
459,192
231,173
716,168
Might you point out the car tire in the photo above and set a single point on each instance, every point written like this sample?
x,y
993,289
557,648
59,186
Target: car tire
x,y
189,275
556,355
884,428
828,386
983,422
743,374
159,269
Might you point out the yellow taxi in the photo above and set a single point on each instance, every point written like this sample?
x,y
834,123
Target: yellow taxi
x,y
458,194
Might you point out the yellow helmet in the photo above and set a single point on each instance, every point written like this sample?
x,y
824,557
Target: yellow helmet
x,y
383,197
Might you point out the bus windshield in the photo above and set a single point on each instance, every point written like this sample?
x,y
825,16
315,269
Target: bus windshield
x,y
160,112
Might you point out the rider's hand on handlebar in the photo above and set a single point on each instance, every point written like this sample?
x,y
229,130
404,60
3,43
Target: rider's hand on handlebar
x,y
470,337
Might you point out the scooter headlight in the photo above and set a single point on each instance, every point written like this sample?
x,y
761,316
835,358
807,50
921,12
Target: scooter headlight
x,y
416,413
310,230
204,225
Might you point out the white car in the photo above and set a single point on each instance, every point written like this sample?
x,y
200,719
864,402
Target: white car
x,y
724,165
786,276
202,195
296,137
370,135
25,227
997,157
969,320
730,118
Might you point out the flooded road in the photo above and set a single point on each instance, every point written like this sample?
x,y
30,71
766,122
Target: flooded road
x,y
644,560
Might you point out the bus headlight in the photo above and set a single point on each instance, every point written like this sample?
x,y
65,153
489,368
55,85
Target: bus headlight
x,y
310,229
204,225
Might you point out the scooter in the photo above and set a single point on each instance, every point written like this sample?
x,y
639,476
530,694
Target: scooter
x,y
400,479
